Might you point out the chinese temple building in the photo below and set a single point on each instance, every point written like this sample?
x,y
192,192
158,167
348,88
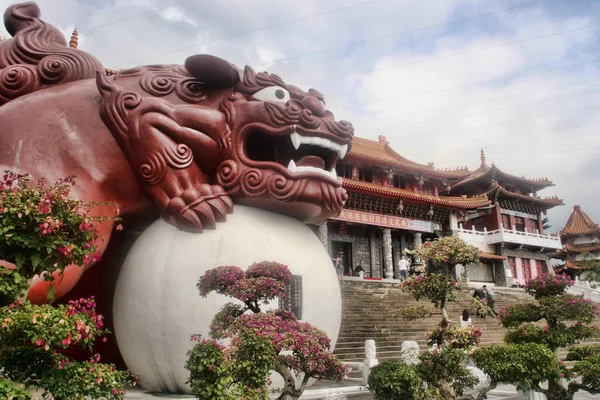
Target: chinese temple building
x,y
511,227
581,238
395,204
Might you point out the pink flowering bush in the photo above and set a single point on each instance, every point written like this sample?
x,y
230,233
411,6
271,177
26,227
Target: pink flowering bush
x,y
269,269
219,279
260,341
32,337
43,231
556,308
546,285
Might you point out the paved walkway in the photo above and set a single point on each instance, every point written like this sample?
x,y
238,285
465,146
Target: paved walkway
x,y
502,392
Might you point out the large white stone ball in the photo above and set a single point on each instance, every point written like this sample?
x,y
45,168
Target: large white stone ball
x,y
157,306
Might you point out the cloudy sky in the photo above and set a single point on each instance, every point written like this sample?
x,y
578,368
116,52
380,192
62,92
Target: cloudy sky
x,y
441,79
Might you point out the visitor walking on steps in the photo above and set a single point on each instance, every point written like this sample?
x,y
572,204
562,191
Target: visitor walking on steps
x,y
479,294
339,266
465,320
403,265
489,295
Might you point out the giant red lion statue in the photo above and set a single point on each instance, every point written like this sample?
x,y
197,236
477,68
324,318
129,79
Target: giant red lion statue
x,y
184,142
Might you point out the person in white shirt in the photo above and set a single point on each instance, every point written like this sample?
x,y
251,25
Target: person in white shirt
x,y
465,321
403,265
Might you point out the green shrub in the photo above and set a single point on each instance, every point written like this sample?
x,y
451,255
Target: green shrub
x,y
524,364
210,378
392,380
10,391
445,366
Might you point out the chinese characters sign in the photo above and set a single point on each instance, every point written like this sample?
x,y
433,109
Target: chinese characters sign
x,y
293,297
386,221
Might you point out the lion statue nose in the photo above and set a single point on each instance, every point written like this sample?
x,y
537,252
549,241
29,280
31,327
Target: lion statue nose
x,y
314,105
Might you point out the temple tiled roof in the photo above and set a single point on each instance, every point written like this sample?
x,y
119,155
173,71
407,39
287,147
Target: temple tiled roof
x,y
496,191
380,153
488,173
579,224
491,257
582,248
569,264
462,202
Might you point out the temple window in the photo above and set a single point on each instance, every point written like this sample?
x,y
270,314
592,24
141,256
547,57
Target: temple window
x,y
506,222
366,175
479,224
519,224
343,171
399,182
513,266
526,267
540,265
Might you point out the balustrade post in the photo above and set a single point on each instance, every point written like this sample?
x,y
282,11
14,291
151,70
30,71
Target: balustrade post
x,y
370,360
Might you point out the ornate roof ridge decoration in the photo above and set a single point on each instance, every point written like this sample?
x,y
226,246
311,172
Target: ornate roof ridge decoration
x,y
37,56
380,153
582,247
397,193
547,202
579,223
485,171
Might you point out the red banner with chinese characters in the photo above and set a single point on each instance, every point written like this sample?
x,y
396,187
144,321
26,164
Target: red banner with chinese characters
x,y
386,221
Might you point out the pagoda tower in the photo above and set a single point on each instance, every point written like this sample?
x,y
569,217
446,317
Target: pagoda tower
x,y
581,239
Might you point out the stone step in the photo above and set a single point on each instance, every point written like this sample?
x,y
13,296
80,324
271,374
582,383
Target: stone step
x,y
367,314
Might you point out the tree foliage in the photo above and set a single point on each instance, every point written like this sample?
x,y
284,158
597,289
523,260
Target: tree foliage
x,y
441,371
392,380
451,250
42,231
260,341
530,358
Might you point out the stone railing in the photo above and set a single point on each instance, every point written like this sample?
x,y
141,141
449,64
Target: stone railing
x,y
478,238
365,367
583,287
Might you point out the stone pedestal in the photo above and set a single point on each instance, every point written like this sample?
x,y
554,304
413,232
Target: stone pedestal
x,y
388,262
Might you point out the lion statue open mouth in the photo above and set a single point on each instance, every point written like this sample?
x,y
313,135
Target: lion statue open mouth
x,y
186,141
251,137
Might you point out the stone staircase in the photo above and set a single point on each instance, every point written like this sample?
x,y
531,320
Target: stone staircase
x,y
367,314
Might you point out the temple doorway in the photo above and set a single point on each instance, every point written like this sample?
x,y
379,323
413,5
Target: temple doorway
x,y
346,249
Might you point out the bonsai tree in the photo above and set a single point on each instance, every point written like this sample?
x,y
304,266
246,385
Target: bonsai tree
x,y
533,347
42,231
441,372
448,252
261,341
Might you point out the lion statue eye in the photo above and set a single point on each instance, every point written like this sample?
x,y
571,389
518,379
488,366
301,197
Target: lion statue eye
x,y
273,93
